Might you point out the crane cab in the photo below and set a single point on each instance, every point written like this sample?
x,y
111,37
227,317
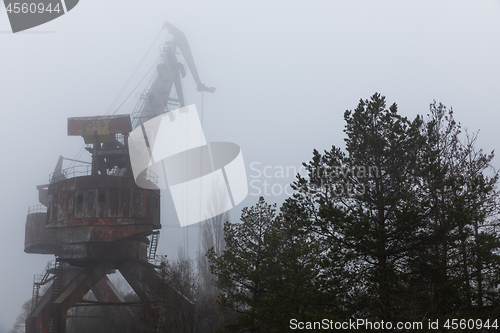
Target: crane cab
x,y
96,211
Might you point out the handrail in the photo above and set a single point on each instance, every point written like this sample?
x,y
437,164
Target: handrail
x,y
72,172
37,209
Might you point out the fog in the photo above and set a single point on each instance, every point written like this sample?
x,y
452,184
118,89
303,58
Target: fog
x,y
285,72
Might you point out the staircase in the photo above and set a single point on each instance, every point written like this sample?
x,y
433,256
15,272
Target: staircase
x,y
57,284
40,280
56,291
155,237
36,291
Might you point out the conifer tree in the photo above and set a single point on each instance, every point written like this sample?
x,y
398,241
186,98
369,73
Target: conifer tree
x,y
243,267
401,225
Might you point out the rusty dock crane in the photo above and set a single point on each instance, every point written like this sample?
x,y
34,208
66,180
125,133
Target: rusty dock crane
x,y
94,218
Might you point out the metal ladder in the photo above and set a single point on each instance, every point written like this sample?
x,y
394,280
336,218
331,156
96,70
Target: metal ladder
x,y
155,237
36,291
56,291
39,280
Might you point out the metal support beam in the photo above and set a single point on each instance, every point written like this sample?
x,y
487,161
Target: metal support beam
x,y
75,291
123,317
133,281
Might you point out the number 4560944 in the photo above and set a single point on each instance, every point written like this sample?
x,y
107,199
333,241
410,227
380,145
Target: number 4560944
x,y
31,8
469,324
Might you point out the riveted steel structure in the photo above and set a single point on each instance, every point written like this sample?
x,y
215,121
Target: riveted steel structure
x,y
96,220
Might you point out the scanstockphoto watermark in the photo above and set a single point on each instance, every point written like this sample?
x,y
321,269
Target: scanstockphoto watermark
x,y
341,181
359,324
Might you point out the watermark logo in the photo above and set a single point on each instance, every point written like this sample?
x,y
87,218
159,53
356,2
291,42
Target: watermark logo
x,y
28,14
345,181
172,146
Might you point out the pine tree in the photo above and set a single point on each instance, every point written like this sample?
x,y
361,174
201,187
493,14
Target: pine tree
x,y
402,225
360,204
243,268
406,215
462,221
269,271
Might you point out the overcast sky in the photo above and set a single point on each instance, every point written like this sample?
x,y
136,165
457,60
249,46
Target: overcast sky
x,y
285,72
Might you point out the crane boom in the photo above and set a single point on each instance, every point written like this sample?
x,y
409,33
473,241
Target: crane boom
x,y
181,41
165,93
